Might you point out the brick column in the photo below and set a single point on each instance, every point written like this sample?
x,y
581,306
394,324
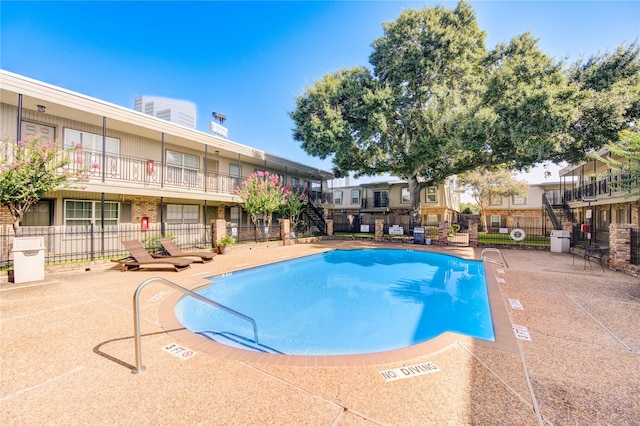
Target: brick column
x,y
329,223
218,230
443,233
473,234
285,231
620,246
379,230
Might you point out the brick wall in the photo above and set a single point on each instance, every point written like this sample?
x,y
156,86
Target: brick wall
x,y
143,206
620,248
5,216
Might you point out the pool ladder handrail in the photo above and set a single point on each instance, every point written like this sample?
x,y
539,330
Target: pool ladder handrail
x,y
488,259
136,315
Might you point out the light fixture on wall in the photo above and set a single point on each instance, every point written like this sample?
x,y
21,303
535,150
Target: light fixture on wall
x,y
217,152
41,108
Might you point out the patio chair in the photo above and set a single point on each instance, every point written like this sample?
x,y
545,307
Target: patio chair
x,y
175,251
140,257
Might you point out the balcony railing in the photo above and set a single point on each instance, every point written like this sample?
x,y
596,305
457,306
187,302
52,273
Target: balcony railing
x,y
609,185
150,173
375,203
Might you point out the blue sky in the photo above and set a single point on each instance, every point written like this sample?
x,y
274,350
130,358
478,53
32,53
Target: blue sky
x,y
250,59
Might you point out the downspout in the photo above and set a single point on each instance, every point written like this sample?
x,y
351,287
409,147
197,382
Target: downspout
x,y
162,163
206,169
104,171
104,151
19,132
582,182
101,226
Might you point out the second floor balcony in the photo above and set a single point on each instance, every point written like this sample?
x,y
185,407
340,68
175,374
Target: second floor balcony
x,y
609,186
120,170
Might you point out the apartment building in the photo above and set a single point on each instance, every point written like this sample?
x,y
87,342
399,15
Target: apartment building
x,y
597,202
529,210
142,169
391,201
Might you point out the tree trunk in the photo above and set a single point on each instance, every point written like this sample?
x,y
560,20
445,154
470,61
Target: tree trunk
x,y
414,192
16,227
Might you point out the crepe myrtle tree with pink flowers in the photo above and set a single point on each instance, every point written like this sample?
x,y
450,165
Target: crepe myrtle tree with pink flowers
x,y
32,167
295,200
262,195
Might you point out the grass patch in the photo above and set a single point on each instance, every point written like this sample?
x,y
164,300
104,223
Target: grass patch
x,y
529,240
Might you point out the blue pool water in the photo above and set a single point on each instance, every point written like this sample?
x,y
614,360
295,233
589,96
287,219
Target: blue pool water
x,y
345,302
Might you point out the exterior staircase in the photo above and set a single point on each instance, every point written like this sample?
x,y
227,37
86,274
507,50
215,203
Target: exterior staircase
x,y
315,217
555,210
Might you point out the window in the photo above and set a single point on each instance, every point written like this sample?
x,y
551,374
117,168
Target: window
x,y
235,171
381,198
432,194
496,200
91,155
182,168
337,197
234,216
519,200
432,219
603,221
405,197
91,141
88,212
622,216
295,182
38,214
494,221
177,213
355,196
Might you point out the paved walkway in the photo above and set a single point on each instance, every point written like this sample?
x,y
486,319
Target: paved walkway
x,y
67,352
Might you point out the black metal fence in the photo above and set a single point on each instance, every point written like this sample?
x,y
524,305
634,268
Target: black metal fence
x,y
635,247
66,244
366,224
252,233
523,235
592,236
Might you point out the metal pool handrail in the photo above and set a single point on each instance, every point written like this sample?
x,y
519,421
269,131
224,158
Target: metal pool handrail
x,y
136,315
494,250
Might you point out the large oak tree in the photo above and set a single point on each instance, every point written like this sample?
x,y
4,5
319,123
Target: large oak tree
x,y
436,103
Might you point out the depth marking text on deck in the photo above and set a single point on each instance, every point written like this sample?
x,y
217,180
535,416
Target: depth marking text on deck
x,y
178,351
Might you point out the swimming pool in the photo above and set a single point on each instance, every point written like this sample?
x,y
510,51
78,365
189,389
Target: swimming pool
x,y
345,302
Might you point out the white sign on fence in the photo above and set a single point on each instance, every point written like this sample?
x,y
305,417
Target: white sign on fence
x,y
364,228
396,230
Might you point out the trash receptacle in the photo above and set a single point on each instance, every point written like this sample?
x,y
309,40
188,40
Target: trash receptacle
x,y
560,241
418,235
28,259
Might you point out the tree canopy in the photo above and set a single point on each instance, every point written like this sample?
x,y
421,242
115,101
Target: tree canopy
x,y
625,163
262,195
485,185
436,103
31,168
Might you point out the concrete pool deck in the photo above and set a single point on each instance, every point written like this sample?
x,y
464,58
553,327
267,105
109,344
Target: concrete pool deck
x,y
68,351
